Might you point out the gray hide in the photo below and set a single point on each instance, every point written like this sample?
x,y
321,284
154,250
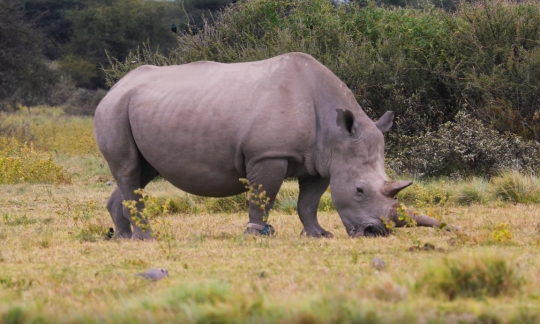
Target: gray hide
x,y
204,125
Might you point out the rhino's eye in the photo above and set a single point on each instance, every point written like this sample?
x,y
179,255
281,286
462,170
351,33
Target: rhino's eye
x,y
359,191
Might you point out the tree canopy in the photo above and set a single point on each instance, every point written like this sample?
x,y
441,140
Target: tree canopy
x,y
24,73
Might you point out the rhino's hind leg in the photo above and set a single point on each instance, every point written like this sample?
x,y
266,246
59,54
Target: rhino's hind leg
x,y
138,179
115,208
269,174
131,172
311,190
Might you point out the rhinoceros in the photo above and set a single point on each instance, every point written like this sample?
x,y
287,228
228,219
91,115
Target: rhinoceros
x,y
204,125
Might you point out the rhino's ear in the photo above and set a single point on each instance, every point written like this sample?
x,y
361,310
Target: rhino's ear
x,y
345,120
385,122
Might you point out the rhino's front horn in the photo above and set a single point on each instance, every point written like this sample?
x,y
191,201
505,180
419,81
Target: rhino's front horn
x,y
391,188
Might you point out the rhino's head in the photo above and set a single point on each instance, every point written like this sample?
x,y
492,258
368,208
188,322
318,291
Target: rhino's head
x,y
361,190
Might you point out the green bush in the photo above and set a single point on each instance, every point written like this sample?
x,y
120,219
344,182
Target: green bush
x,y
465,147
474,191
425,195
358,44
49,130
427,65
20,163
496,51
516,187
84,101
80,70
472,276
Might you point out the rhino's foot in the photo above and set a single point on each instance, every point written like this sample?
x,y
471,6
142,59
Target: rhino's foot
x,y
123,235
140,235
450,228
256,229
317,233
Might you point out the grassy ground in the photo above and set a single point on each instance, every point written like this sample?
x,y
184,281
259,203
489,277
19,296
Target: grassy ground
x,y
57,266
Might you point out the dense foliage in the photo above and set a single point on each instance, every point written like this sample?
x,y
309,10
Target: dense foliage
x,y
24,73
425,64
465,147
76,35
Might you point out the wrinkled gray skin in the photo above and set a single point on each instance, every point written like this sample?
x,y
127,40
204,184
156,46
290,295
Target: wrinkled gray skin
x,y
204,125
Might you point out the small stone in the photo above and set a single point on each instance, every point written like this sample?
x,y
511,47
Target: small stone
x,y
378,264
154,274
110,183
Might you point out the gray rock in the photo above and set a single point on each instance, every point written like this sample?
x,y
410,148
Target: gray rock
x,y
378,264
110,183
154,274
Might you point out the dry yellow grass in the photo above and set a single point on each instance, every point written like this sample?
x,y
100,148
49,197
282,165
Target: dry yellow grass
x,y
56,265
49,273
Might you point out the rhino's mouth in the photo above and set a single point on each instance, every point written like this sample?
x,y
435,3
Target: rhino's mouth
x,y
367,231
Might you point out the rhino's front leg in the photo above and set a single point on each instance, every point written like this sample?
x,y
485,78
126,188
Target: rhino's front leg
x,y
269,175
311,190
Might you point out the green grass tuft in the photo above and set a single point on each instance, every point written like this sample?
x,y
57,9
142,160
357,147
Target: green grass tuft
x,y
478,275
474,191
516,187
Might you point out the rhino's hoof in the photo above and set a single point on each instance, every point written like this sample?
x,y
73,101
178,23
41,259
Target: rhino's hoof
x,y
317,234
256,229
145,236
451,228
124,235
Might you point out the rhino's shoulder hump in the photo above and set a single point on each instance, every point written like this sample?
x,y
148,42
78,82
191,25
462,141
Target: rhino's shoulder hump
x,y
143,69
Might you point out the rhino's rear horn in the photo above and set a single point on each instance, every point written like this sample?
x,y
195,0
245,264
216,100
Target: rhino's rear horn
x,y
391,188
385,122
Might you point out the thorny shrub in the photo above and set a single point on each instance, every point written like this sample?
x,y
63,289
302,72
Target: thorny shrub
x,y
465,147
153,215
20,162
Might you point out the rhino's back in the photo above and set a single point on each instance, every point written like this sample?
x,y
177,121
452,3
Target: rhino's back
x,y
207,121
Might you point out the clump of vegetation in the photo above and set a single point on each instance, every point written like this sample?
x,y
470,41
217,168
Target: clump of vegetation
x,y
478,275
50,130
84,101
509,186
153,216
516,187
465,147
426,194
256,195
464,81
86,227
502,233
473,191
20,162
386,289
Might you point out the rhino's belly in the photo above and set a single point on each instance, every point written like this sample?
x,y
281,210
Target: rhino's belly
x,y
202,168
211,184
